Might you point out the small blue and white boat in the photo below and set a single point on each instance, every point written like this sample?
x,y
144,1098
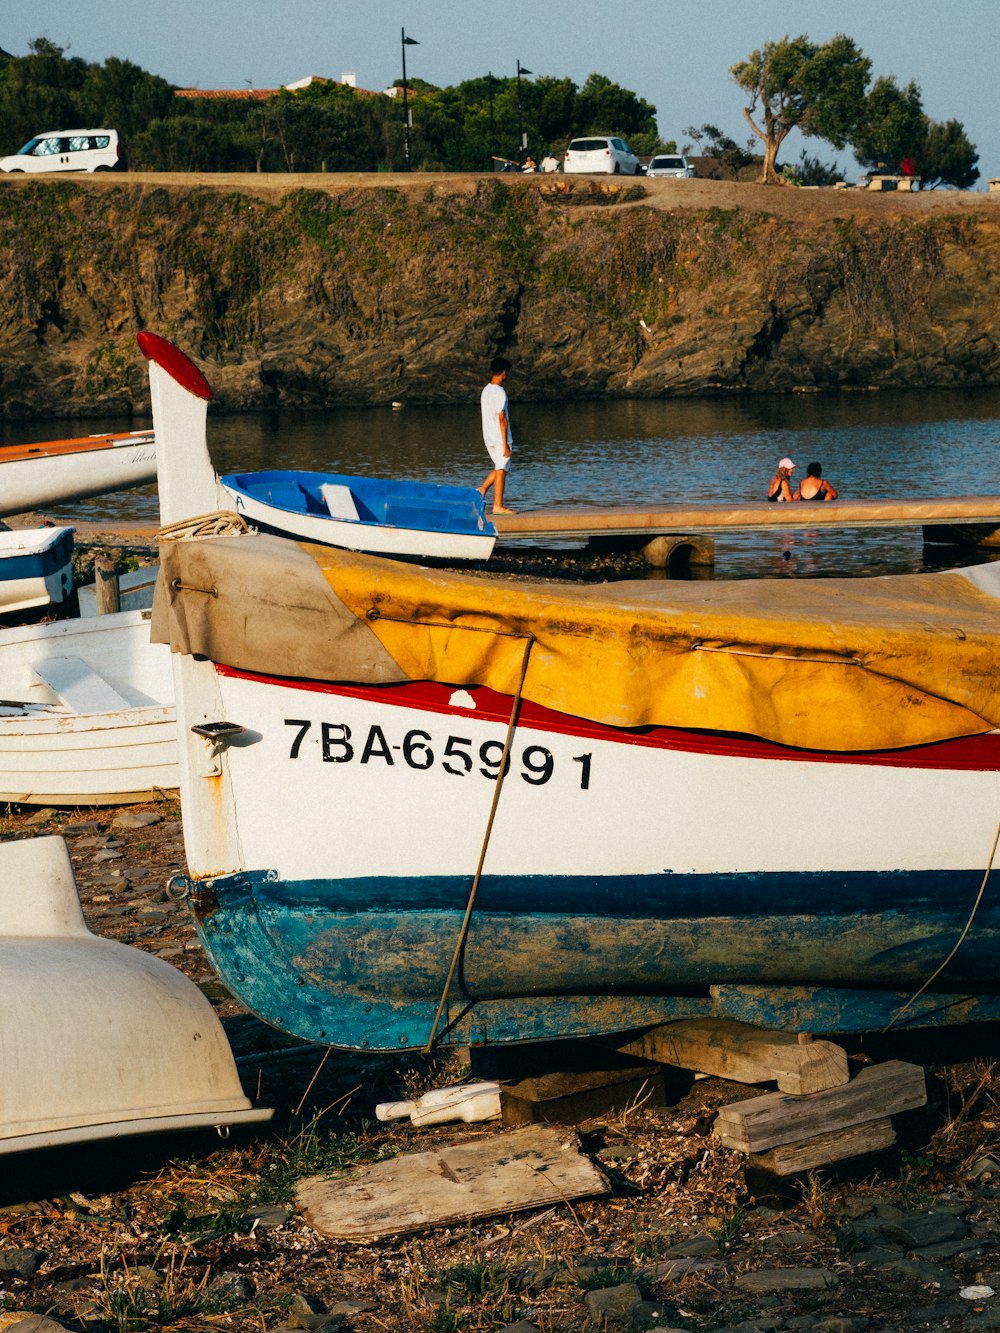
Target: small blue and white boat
x,y
36,568
400,518
408,519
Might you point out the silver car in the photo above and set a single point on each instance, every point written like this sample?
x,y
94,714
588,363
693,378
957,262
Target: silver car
x,y
670,164
601,153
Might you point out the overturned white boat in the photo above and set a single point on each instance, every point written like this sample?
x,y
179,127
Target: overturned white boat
x,y
99,1040
86,712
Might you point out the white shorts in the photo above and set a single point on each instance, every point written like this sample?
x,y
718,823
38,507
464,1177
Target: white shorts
x,y
501,461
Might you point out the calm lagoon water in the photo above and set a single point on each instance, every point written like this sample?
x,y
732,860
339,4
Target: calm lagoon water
x,y
871,445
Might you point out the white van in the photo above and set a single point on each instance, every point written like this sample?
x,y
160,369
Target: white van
x,y
602,154
68,150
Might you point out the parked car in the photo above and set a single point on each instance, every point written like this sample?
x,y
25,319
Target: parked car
x,y
68,150
602,154
670,164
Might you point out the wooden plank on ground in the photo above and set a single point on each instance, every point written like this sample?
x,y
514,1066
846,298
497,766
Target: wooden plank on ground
x,y
764,1122
533,1167
745,1053
821,1149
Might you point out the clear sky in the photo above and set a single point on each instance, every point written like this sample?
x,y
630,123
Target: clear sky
x,y
676,55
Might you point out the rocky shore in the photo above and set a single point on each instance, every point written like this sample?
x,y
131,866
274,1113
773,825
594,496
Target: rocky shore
x,y
185,1233
314,291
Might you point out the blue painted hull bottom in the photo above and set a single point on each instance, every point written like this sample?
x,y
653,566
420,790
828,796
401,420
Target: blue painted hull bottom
x,y
362,963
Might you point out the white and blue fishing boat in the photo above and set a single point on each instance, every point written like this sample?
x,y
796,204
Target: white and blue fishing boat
x,y
430,806
406,519
36,568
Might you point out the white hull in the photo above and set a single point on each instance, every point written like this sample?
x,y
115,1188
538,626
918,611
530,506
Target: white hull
x,y
99,1040
36,567
420,775
373,538
86,713
33,477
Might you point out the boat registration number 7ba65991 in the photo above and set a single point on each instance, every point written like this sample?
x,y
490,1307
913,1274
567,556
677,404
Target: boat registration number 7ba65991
x,y
418,749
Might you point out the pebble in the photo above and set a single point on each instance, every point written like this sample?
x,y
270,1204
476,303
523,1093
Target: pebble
x,y
610,1306
22,1262
133,819
231,1287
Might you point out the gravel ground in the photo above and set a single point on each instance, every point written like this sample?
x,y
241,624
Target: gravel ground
x,y
183,1232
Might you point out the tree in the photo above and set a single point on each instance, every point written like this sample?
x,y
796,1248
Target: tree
x,y
947,157
795,84
720,147
892,125
124,96
811,171
38,92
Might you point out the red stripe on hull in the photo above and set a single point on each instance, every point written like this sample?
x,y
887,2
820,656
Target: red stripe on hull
x,y
974,753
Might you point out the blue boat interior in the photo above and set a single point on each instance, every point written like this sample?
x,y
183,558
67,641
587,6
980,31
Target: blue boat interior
x,y
367,500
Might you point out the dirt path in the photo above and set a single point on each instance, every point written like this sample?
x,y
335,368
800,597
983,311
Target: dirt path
x,y
789,201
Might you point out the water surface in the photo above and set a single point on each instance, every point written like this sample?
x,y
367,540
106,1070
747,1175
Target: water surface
x,y
872,445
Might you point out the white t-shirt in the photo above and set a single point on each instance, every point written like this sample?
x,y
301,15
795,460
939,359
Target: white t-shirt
x,y
493,401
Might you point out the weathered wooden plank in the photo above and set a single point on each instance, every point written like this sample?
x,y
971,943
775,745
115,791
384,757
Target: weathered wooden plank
x,y
821,1149
764,1122
533,1167
749,516
745,1053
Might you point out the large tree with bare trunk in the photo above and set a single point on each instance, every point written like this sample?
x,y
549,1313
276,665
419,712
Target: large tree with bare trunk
x,y
797,84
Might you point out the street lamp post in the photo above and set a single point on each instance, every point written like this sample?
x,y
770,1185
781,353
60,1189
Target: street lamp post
x,y
405,42
521,143
489,79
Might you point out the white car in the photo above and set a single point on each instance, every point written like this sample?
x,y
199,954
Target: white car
x,y
68,150
601,154
670,164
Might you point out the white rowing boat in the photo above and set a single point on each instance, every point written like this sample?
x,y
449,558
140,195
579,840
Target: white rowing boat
x,y
33,476
86,712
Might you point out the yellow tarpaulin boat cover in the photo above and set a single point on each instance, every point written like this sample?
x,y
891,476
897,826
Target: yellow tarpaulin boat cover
x,y
825,664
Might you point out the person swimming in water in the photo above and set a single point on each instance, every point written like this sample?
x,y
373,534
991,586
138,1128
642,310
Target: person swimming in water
x,y
813,486
780,487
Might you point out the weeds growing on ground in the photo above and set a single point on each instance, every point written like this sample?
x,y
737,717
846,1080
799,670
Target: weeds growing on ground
x,y
727,1230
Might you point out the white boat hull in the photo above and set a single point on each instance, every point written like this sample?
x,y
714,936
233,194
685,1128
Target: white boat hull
x,y
99,1040
36,567
35,476
628,878
373,538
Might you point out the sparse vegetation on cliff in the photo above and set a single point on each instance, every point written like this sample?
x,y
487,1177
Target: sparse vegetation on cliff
x,y
362,295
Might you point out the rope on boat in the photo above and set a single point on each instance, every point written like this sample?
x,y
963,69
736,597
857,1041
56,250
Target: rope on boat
x,y
466,920
958,943
217,524
828,659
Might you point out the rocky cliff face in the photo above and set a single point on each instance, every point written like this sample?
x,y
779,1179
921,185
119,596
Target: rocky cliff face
x,y
320,297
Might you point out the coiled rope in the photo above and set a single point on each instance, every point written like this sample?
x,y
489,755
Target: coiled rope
x,y
218,524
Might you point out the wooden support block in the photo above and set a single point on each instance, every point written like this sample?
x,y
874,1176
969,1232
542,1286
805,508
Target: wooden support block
x,y
567,1097
821,1149
747,1054
765,1122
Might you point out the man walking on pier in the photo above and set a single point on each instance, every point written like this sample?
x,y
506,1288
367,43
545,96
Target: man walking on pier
x,y
496,432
